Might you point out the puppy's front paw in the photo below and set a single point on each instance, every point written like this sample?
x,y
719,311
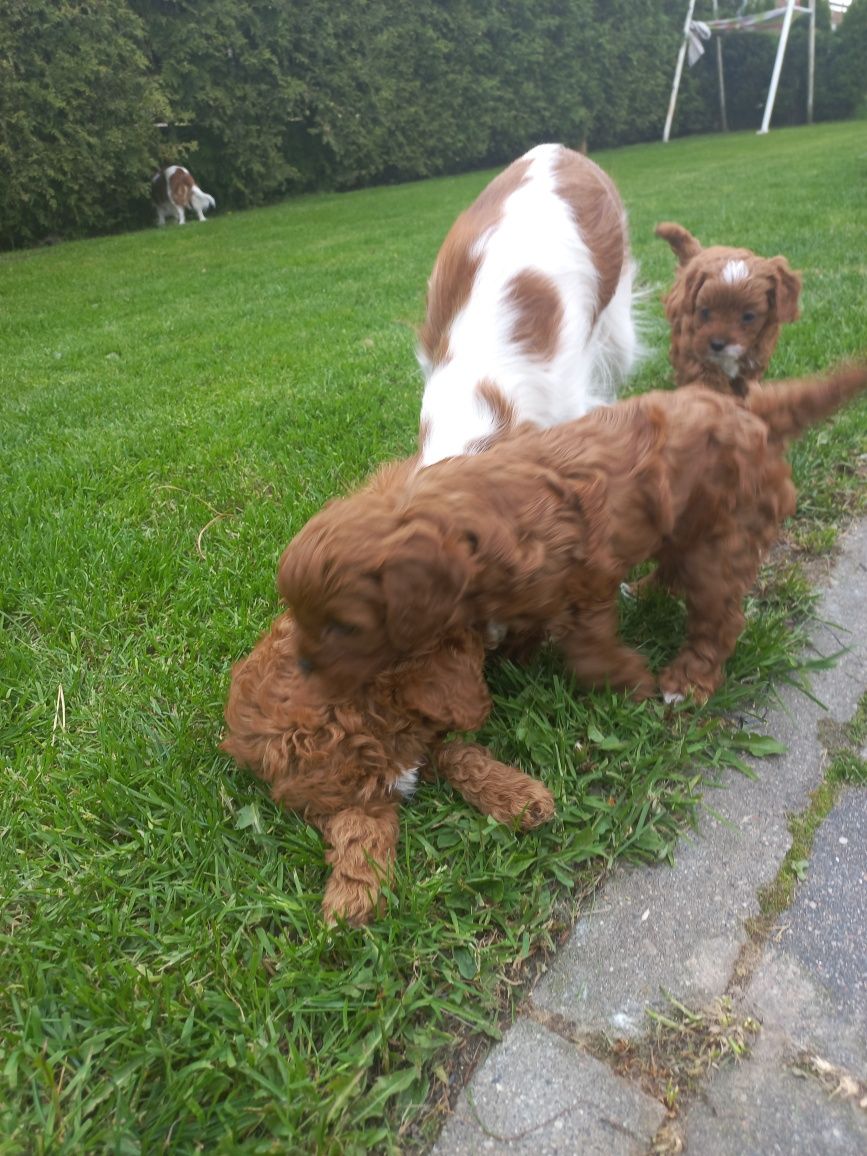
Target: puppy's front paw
x,y
535,805
644,689
356,901
676,686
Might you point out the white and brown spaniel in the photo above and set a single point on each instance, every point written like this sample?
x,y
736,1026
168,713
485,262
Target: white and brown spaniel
x,y
174,190
529,311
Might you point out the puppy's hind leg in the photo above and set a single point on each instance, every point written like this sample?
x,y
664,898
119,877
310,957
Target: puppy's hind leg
x,y
363,845
494,788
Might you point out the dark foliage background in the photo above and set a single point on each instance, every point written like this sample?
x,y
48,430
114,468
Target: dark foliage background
x,y
263,98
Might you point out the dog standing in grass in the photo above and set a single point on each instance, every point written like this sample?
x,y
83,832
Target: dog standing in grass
x,y
174,191
538,532
530,305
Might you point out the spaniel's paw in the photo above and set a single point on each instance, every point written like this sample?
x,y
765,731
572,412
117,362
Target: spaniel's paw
x,y
639,587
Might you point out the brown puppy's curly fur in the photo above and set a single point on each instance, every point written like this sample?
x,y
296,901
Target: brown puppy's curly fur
x,y
344,767
538,532
725,310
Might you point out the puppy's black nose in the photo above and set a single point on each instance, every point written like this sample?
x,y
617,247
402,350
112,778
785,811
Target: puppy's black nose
x,y
305,665
717,344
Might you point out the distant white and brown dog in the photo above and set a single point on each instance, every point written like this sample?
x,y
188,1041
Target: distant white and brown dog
x,y
530,305
174,191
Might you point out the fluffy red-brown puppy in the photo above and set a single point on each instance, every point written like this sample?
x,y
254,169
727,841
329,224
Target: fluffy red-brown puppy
x,y
538,532
725,309
345,766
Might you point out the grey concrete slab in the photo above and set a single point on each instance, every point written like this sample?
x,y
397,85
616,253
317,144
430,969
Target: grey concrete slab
x,y
812,982
536,1093
826,928
762,1108
844,608
681,929
659,929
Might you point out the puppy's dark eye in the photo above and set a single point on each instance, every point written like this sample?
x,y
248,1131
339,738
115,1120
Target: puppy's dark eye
x,y
704,314
748,317
341,629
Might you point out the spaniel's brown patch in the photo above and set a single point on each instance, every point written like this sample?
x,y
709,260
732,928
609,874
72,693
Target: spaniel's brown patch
x,y
538,313
456,265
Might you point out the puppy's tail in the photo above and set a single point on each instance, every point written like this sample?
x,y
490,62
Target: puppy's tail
x,y
788,408
681,240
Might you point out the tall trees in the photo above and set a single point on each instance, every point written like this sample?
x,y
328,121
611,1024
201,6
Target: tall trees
x,y
78,113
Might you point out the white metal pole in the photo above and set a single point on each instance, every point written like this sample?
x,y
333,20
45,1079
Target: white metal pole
x,y
811,62
778,67
666,132
720,74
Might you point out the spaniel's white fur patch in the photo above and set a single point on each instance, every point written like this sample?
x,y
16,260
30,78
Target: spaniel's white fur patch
x,y
529,305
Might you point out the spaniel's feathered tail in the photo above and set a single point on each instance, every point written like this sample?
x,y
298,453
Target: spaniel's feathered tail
x,y
788,408
200,200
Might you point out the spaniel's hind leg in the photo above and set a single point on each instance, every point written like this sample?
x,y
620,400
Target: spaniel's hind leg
x,y
494,788
660,578
363,845
714,577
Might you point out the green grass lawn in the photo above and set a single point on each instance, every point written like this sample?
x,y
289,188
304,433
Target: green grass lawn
x,y
175,404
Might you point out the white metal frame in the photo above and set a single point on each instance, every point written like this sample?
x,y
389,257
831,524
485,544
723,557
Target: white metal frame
x,y
775,75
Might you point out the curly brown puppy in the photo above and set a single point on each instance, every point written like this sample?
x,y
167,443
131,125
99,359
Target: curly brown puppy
x,y
725,310
539,531
345,766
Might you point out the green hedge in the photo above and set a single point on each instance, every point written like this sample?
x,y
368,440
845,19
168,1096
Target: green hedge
x,y
269,97
78,107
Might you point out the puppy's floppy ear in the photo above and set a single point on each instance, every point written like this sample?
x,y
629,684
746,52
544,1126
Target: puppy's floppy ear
x,y
786,288
422,579
683,243
589,498
448,686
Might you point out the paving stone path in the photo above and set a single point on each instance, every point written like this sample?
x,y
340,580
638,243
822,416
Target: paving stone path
x,y
685,931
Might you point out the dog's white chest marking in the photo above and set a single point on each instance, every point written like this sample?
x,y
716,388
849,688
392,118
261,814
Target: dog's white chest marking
x,y
406,782
729,366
